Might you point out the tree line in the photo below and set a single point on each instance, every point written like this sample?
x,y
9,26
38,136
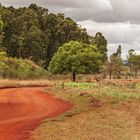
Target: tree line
x,y
59,44
117,67
32,32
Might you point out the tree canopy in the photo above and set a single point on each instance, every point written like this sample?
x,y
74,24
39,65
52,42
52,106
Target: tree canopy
x,y
101,43
33,32
75,58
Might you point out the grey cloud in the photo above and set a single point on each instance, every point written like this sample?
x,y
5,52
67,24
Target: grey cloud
x,y
97,10
100,10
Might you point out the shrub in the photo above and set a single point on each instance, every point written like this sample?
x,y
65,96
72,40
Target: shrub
x,y
19,69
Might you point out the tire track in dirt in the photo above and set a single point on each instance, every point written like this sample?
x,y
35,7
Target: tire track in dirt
x,y
23,109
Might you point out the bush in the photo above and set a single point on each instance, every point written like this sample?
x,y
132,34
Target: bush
x,y
19,69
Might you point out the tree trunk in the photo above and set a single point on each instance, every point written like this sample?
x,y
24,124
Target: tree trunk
x,y
73,77
136,73
110,74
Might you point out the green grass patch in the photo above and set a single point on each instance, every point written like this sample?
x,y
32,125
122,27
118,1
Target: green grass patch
x,y
112,94
138,85
81,85
105,93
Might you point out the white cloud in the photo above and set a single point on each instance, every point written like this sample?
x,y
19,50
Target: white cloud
x,y
124,34
117,32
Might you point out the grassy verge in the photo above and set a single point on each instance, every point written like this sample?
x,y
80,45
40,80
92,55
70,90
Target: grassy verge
x,y
100,112
6,83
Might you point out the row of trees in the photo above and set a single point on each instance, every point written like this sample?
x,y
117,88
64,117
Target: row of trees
x,y
77,58
35,33
118,67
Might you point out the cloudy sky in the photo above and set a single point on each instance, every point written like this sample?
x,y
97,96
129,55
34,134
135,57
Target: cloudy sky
x,y
118,20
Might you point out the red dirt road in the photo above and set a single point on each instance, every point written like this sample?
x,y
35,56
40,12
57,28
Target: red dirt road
x,y
23,109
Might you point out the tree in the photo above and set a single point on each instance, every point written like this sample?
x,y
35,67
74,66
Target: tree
x,y
130,53
119,51
109,68
1,35
1,24
114,66
75,58
134,62
35,45
101,43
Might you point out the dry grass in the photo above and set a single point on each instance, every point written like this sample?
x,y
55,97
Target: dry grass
x,y
100,113
6,83
105,123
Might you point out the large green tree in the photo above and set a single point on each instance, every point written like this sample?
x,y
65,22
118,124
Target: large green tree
x,y
75,58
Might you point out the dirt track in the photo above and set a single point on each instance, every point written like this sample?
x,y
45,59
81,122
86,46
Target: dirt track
x,y
23,109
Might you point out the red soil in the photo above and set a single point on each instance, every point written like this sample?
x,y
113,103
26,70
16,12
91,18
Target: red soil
x,y
23,109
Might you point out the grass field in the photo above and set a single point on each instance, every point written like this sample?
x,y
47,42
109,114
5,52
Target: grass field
x,y
100,112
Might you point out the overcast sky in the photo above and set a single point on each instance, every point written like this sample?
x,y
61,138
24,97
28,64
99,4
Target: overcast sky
x,y
118,20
